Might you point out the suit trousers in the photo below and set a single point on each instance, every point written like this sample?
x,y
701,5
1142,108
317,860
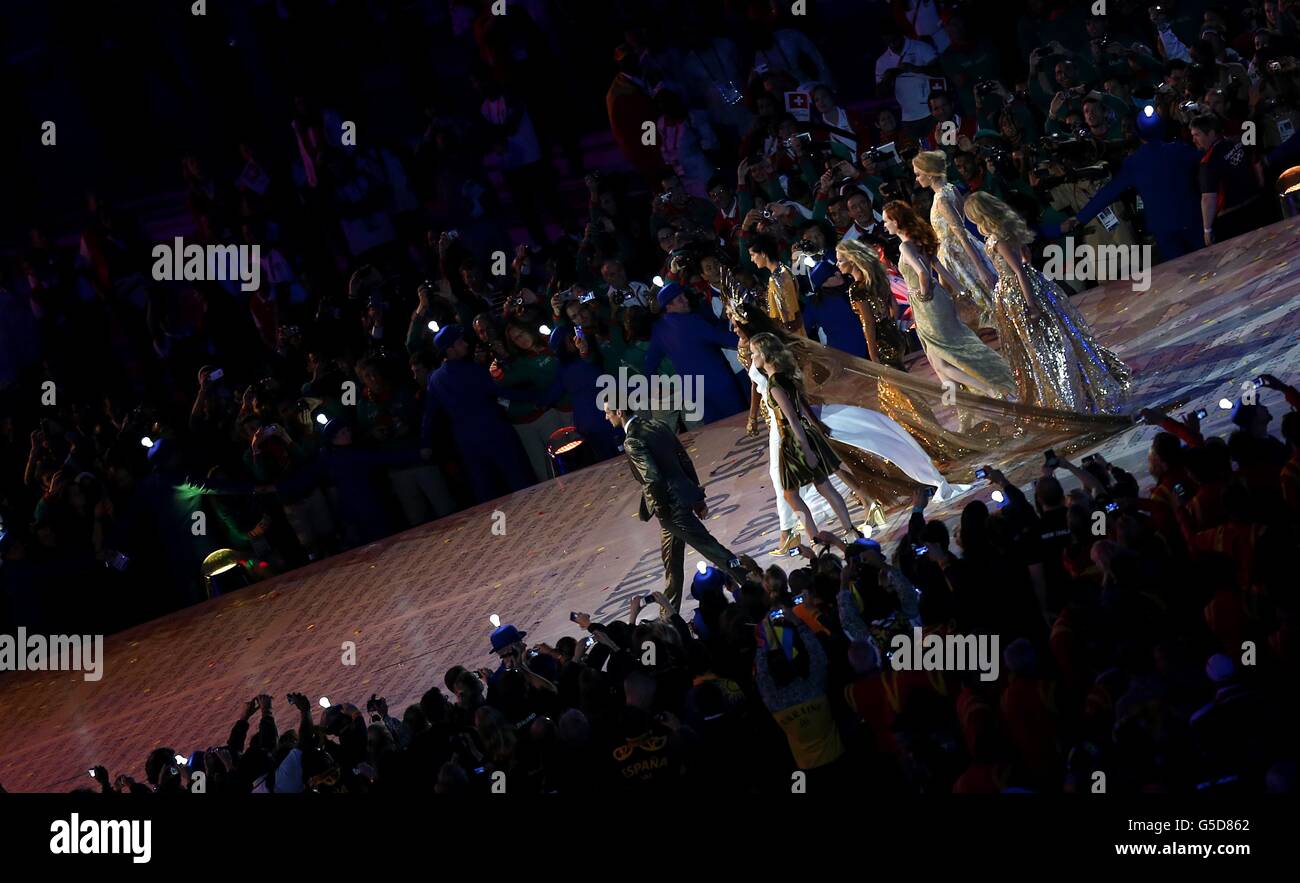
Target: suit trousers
x,y
681,528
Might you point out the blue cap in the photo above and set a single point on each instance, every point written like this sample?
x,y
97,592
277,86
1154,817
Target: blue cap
x,y
559,338
505,635
867,543
821,271
331,429
710,582
447,337
160,450
669,293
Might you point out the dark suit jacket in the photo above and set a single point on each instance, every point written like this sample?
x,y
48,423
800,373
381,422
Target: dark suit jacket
x,y
662,466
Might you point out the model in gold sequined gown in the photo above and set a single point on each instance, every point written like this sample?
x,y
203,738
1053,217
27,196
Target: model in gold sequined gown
x,y
878,325
1056,361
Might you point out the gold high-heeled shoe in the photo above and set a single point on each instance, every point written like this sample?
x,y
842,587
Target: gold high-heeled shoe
x,y
789,540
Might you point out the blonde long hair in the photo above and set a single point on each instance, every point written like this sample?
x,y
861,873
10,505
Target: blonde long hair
x,y
932,164
858,254
777,356
994,217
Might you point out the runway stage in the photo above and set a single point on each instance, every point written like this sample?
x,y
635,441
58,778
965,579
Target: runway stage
x,y
419,602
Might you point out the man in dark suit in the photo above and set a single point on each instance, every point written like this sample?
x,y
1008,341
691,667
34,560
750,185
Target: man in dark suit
x,y
671,492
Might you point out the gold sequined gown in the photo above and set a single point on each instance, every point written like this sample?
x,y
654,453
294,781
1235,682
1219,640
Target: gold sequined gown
x,y
943,335
875,315
974,301
1056,361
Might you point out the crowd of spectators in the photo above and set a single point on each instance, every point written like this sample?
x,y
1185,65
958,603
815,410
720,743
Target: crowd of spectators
x,y
1146,637
434,307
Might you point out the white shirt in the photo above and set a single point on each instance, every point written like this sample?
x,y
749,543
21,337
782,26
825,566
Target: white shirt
x,y
911,91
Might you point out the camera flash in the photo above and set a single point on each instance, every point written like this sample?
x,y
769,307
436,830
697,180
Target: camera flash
x,y
544,329
146,442
1148,111
1225,404
998,497
180,759
322,419
658,281
701,567
495,620
324,703
433,326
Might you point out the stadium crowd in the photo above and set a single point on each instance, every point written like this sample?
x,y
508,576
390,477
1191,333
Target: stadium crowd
x,y
1159,651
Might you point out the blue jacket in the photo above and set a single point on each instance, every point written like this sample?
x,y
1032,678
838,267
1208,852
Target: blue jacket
x,y
1165,175
695,346
465,391
836,317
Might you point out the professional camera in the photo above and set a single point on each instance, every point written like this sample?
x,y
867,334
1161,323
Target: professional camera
x,y
808,247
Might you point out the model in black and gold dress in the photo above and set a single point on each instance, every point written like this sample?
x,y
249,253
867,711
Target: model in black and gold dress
x,y
806,457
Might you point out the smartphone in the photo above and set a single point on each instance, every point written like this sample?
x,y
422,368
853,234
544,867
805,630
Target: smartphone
x,y
587,298
798,599
794,553
1181,490
1259,381
577,332
1049,459
1200,413
119,562
1112,507
918,551
589,642
733,563
573,617
90,773
981,473
1089,459
776,615
648,599
217,374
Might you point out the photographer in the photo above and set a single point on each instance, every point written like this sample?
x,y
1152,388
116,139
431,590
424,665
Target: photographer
x,y
904,71
1275,99
676,207
1068,176
1164,175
